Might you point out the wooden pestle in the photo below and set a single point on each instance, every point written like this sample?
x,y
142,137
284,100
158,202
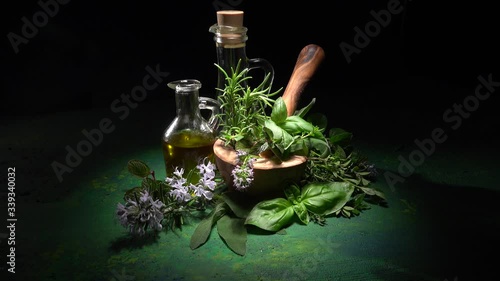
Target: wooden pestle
x,y
309,59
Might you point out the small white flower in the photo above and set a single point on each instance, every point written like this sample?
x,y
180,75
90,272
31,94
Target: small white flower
x,y
200,191
181,193
179,172
206,169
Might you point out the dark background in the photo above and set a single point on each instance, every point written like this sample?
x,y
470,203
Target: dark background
x,y
395,90
424,61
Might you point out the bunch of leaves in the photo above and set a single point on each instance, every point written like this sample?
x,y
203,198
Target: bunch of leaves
x,y
243,108
235,212
337,177
345,164
228,217
246,124
292,135
315,199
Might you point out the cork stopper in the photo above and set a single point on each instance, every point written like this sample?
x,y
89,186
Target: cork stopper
x,y
230,18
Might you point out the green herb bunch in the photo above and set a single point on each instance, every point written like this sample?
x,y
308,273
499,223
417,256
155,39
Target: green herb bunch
x,y
254,122
243,110
345,164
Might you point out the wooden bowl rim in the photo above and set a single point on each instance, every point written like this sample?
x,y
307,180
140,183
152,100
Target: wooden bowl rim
x,y
228,155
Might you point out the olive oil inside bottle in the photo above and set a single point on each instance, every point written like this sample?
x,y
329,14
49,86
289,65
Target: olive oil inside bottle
x,y
186,149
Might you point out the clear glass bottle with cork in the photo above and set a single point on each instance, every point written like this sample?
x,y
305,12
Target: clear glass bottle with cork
x,y
230,36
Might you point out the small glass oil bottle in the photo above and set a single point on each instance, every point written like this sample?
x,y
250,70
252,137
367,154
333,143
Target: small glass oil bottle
x,y
189,138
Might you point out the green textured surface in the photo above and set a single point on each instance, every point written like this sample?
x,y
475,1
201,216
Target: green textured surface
x,y
67,231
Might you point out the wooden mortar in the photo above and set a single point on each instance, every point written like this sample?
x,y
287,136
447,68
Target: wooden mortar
x,y
271,177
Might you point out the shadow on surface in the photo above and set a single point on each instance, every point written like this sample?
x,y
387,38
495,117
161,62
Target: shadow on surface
x,y
457,226
133,242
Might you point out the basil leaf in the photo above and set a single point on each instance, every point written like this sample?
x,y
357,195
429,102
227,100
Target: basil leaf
x,y
326,198
299,147
271,215
321,146
301,211
295,125
292,193
279,112
278,136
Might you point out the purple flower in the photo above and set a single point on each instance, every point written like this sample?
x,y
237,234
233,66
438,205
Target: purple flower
x,y
183,191
207,170
201,192
243,174
176,181
140,215
207,173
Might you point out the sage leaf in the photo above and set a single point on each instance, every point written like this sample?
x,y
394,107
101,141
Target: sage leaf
x,y
204,228
326,198
238,203
138,168
271,215
234,233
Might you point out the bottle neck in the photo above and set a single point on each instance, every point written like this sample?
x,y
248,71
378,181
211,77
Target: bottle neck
x,y
229,36
230,44
227,59
187,104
